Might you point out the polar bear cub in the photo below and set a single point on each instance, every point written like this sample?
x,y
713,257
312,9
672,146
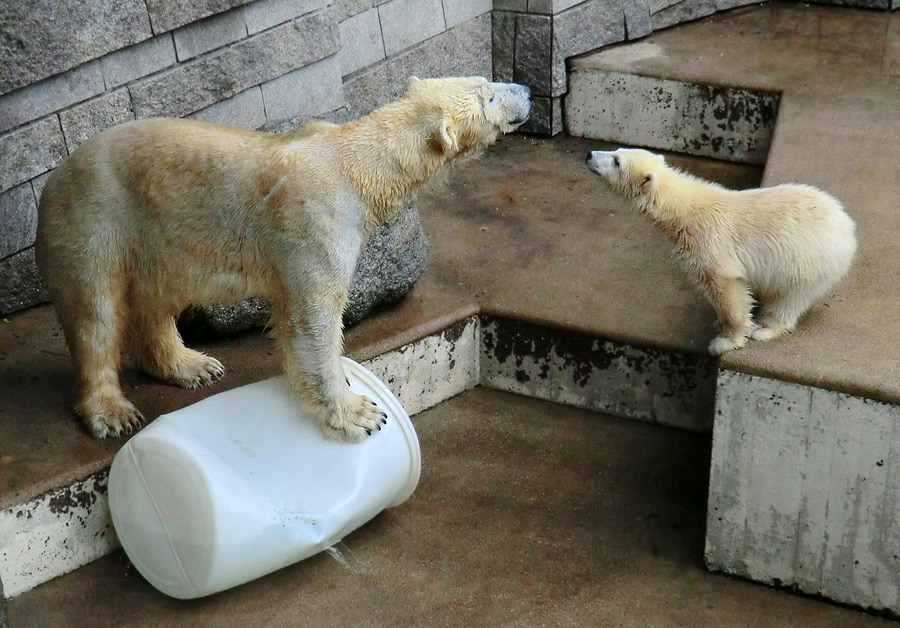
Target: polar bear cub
x,y
152,216
784,246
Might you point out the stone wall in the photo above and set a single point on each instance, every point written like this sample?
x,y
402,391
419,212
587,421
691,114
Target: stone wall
x,y
72,69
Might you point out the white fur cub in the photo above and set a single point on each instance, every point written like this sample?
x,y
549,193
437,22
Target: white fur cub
x,y
786,246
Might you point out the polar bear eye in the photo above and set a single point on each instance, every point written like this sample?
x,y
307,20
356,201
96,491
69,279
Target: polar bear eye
x,y
615,161
491,99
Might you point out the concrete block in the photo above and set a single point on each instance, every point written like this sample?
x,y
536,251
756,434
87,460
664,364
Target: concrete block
x,y
87,119
208,34
42,38
567,367
55,533
459,11
585,27
29,151
519,6
684,11
18,217
534,53
309,91
338,116
424,373
503,38
546,116
637,20
166,15
800,495
138,61
721,122
244,110
50,95
207,80
541,7
20,287
361,42
405,23
724,5
264,14
461,51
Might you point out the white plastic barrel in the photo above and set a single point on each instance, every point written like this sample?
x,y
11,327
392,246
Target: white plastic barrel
x,y
244,483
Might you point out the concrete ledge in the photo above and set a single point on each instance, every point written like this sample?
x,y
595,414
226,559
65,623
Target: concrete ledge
x,y
804,490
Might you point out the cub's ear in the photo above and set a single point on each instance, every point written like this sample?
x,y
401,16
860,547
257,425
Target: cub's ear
x,y
650,182
411,82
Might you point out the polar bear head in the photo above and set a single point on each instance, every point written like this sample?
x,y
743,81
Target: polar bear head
x,y
468,113
632,172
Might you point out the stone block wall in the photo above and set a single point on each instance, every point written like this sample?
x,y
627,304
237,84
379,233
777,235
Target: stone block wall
x,y
74,68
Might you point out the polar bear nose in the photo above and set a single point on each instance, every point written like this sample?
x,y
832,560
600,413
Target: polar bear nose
x,y
589,155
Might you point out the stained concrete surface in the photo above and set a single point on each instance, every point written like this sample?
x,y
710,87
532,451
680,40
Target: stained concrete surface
x,y
527,514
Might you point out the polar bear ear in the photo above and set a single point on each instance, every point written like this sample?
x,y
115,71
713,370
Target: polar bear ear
x,y
650,182
448,137
412,81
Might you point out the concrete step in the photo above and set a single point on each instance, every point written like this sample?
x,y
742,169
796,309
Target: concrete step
x,y
525,516
804,489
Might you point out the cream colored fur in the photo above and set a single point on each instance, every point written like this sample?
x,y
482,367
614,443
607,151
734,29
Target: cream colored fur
x,y
785,246
152,216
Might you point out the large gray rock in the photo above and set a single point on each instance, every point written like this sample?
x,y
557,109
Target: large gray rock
x,y
391,261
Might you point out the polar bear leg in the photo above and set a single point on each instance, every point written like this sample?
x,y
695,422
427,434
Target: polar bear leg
x,y
732,301
160,352
93,317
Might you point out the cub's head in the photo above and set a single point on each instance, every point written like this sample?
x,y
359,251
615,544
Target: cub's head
x,y
631,172
468,113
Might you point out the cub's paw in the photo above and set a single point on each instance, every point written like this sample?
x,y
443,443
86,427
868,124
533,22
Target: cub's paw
x,y
768,333
723,344
110,417
196,370
357,418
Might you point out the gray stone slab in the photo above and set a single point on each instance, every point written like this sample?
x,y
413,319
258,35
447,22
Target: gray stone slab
x,y
534,54
684,11
42,38
309,91
166,15
18,219
800,496
405,23
361,42
391,261
244,110
637,19
220,75
264,14
52,94
87,119
585,27
138,61
338,116
546,116
520,6
29,151
38,183
461,51
216,31
344,9
503,39
459,11
20,283
724,123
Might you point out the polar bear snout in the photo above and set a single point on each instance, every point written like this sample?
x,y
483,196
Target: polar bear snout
x,y
515,100
601,162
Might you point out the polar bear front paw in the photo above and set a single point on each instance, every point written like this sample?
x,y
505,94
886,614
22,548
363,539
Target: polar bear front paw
x,y
764,333
357,418
723,344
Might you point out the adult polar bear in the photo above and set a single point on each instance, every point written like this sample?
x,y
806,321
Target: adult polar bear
x,y
152,216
